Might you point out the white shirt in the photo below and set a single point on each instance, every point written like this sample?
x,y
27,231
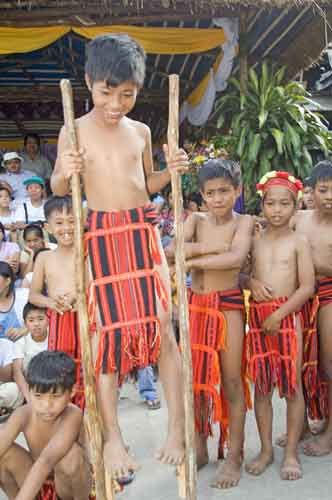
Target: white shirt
x,y
6,352
34,213
16,183
26,348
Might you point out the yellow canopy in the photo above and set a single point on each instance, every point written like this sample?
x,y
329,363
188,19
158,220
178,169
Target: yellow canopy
x,y
154,40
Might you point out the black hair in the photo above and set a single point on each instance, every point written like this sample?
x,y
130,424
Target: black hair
x,y
57,204
195,197
115,59
321,172
7,272
32,135
50,371
2,229
307,182
31,307
215,169
33,228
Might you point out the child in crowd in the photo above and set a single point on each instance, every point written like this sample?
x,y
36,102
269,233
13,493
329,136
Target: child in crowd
x,y
7,216
216,307
10,314
9,251
34,240
61,293
308,200
32,210
316,225
35,341
55,461
126,258
10,396
282,280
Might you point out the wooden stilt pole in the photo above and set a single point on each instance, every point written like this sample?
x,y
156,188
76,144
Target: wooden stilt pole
x,y
187,474
93,422
243,55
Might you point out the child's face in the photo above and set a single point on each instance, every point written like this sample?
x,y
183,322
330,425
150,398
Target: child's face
x,y
36,322
113,103
35,192
62,225
278,206
308,198
34,241
323,197
13,166
48,406
4,199
220,196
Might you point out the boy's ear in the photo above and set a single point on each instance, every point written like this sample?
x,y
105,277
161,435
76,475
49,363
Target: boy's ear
x,y
87,81
239,191
73,391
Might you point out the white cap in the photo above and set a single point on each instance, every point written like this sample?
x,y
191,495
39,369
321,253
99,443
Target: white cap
x,y
10,156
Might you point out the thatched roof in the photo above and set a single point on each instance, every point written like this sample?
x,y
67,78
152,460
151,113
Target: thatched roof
x,y
291,32
36,12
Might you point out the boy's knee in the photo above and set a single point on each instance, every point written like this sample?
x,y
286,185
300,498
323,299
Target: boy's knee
x,y
233,388
71,463
168,341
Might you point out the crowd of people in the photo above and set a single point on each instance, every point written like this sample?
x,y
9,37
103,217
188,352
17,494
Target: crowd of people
x,y
259,293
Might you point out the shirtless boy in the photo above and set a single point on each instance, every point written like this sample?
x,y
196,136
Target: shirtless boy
x,y
282,280
217,243
51,426
316,225
54,273
127,264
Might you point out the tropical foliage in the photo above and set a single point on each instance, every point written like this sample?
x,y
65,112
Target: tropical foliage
x,y
270,126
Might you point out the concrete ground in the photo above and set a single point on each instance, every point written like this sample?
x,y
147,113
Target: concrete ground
x,y
144,431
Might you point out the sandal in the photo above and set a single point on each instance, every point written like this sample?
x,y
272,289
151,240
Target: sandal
x,y
153,404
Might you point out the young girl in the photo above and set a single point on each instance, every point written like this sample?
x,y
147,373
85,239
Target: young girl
x,y
34,240
10,316
9,251
7,215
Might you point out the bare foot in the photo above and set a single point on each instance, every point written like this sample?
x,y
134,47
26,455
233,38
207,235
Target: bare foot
x,y
173,451
228,473
291,469
282,440
322,445
260,463
117,460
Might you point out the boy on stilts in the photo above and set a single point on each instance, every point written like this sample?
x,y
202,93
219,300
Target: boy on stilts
x,y
129,289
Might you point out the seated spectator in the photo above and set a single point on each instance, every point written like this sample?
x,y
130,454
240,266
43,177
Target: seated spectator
x,y
32,209
11,321
9,251
28,277
33,160
15,176
7,215
10,396
34,240
35,341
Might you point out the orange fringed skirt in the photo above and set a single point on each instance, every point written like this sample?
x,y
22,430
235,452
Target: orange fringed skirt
x,y
208,334
123,252
64,336
272,358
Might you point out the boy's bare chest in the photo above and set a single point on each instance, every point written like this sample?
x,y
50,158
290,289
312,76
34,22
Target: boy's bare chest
x,y
37,441
60,270
274,256
320,238
208,231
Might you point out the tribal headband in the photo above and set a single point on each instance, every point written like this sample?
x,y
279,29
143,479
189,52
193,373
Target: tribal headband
x,y
277,178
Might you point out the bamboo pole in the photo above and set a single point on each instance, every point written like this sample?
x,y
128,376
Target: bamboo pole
x,y
187,473
243,53
93,423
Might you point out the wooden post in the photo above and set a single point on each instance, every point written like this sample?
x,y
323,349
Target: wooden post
x,y
93,422
187,473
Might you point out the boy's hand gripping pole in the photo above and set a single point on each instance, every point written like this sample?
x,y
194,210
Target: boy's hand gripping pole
x,y
93,423
187,472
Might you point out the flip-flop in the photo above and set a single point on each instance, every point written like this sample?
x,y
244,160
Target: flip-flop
x,y
125,480
153,404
